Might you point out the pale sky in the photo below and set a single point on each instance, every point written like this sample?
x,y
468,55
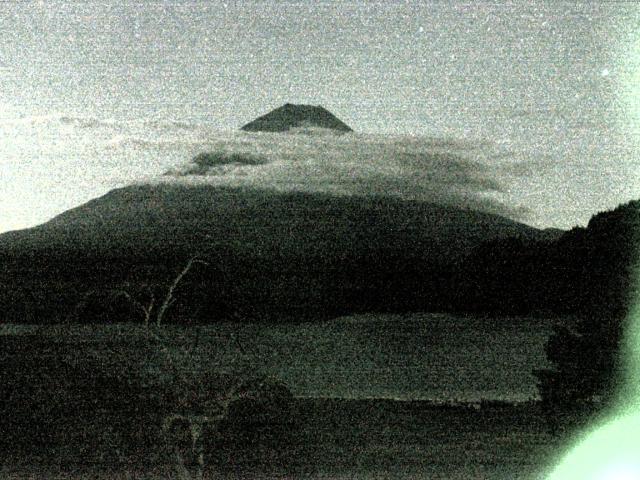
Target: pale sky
x,y
554,86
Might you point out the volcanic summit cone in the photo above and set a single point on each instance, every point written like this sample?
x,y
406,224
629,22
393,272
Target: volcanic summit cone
x,y
291,116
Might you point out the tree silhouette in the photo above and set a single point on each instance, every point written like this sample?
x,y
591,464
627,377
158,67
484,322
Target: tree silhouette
x,y
586,357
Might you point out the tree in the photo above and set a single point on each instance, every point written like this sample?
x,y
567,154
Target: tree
x,y
143,297
131,389
194,405
586,356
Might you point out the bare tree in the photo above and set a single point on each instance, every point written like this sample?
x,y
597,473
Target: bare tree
x,y
146,309
169,299
194,403
183,426
184,433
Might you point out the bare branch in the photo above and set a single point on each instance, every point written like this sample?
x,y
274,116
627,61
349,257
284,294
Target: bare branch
x,y
169,300
146,310
177,372
149,309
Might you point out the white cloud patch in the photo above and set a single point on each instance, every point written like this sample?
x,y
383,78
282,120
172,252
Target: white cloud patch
x,y
413,168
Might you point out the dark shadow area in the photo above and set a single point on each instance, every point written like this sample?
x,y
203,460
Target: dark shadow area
x,y
278,256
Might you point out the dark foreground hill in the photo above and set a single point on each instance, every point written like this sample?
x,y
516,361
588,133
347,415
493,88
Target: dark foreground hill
x,y
268,254
588,270
292,116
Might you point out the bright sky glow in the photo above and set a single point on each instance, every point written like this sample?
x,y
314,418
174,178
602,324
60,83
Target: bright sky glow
x,y
611,452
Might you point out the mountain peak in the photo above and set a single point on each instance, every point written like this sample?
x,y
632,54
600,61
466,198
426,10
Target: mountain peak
x,y
291,116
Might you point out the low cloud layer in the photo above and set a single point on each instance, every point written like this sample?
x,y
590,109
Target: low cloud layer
x,y
414,168
217,163
554,184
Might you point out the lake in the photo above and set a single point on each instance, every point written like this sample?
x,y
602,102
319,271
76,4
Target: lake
x,y
422,356
437,357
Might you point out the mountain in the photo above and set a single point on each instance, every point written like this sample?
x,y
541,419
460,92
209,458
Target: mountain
x,y
293,116
268,255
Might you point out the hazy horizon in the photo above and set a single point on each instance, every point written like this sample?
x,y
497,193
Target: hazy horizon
x,y
98,95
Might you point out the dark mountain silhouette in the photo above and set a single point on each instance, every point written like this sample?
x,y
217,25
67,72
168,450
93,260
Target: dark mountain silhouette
x,y
291,116
270,255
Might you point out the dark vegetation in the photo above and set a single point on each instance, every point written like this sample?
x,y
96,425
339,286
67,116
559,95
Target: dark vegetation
x,y
89,400
57,396
334,438
303,256
596,270
587,271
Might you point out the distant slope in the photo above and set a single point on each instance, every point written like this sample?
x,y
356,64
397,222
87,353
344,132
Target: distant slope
x,y
273,255
266,223
291,116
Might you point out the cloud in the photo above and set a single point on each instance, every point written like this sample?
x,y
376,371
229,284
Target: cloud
x,y
217,163
438,170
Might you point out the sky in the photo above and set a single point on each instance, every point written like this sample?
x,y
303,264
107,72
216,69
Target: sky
x,y
552,87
